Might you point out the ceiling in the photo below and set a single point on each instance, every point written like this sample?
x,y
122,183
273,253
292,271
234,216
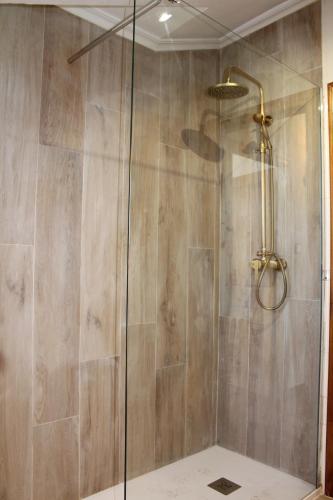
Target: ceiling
x,y
206,24
232,13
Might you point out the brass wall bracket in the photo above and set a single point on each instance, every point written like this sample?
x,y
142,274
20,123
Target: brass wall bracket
x,y
263,119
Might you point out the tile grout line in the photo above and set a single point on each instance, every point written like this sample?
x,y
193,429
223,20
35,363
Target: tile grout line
x,y
50,422
217,262
85,70
4,244
33,325
116,452
188,116
157,254
285,337
198,248
249,323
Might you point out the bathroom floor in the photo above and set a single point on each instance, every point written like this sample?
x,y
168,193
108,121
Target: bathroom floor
x,y
187,479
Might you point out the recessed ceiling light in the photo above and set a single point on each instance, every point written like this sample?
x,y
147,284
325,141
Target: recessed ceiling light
x,y
164,17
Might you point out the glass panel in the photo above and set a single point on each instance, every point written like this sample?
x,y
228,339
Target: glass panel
x,y
135,357
64,181
210,372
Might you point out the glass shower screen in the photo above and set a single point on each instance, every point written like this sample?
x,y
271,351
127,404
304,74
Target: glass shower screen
x,y
209,371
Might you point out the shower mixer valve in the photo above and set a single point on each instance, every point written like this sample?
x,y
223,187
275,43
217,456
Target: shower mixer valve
x,y
267,260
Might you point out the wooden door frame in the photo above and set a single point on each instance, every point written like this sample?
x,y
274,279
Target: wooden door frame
x,y
329,435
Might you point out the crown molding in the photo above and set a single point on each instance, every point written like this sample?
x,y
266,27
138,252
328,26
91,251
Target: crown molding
x,y
106,20
188,44
270,16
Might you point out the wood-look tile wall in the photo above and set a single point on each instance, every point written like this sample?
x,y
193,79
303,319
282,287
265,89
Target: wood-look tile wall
x,y
61,173
269,361
63,256
173,273
63,221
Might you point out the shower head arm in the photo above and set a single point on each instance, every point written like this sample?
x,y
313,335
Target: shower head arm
x,y
234,69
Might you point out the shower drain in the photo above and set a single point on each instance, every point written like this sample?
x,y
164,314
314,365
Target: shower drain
x,y
224,486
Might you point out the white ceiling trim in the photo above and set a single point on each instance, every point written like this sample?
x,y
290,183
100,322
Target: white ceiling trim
x,y
106,20
271,15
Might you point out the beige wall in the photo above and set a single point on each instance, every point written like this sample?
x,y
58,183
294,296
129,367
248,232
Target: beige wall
x,y
269,361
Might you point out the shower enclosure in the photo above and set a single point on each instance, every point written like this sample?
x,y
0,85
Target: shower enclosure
x,y
208,367
144,352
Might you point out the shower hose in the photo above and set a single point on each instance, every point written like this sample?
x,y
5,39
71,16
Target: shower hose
x,y
261,277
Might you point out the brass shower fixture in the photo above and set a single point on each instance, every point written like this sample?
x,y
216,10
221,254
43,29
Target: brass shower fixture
x,y
266,258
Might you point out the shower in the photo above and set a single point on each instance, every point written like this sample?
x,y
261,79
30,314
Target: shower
x,y
267,257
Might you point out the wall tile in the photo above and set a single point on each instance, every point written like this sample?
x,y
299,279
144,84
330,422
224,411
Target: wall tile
x,y
203,72
174,97
236,205
57,284
329,477
267,332
170,408
204,151
199,374
235,300
172,258
269,39
99,233
147,70
303,195
105,71
56,460
202,194
301,33
216,298
144,210
98,432
301,390
21,42
18,188
64,85
15,372
141,399
233,384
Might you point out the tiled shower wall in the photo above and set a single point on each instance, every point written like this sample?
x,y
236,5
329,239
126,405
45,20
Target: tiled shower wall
x,y
63,235
61,175
173,287
64,153
269,361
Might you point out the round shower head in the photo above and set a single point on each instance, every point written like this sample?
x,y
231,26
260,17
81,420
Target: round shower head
x,y
228,90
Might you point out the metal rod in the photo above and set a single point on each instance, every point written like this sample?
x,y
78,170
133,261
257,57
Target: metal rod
x,y
118,27
263,195
239,71
271,166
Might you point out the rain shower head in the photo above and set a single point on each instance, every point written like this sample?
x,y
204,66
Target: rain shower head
x,y
228,90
